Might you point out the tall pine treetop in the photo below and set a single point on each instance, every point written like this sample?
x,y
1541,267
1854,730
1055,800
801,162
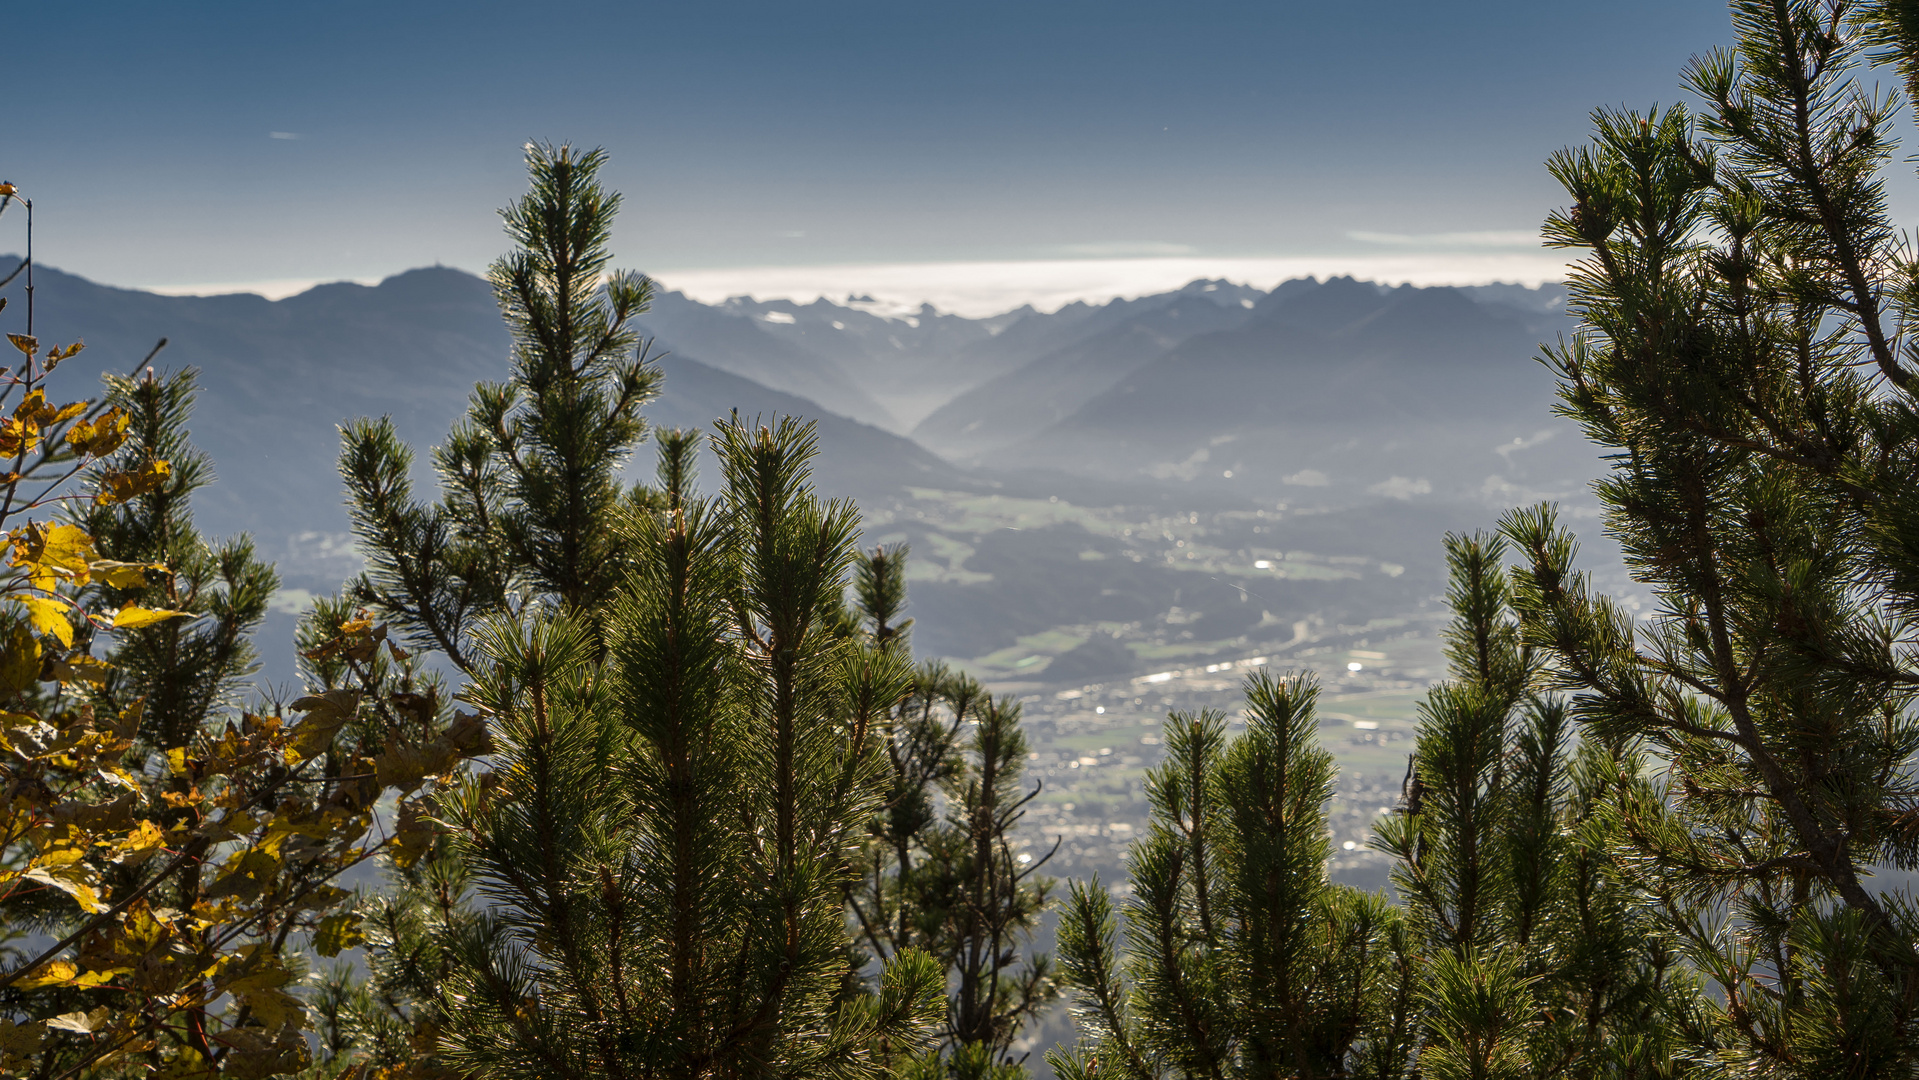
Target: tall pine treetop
x,y
569,417
529,479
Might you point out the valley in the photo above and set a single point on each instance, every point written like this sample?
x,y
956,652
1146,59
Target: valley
x,y
1114,510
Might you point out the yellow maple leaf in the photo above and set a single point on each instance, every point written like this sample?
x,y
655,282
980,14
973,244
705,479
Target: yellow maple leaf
x,y
337,932
264,979
124,575
51,553
145,837
325,714
119,486
282,827
18,437
83,1022
80,668
246,873
101,435
76,881
54,356
52,973
61,857
32,406
69,548
133,617
48,616
33,409
114,774
19,660
276,1008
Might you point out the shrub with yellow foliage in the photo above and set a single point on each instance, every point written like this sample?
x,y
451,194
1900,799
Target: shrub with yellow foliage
x,y
166,857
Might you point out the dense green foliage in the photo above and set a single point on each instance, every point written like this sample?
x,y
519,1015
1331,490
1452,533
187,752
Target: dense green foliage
x,y
185,672
173,850
704,753
664,835
1748,365
1517,949
1240,956
1538,958
1665,873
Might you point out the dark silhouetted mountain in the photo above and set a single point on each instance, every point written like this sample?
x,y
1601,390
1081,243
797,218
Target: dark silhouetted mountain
x,y
907,362
1344,353
856,459
1541,307
1334,394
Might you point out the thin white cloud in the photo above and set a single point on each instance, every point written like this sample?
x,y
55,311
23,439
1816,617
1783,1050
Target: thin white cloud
x,y
285,135
1520,442
1402,487
988,288
1503,493
272,289
1496,238
1120,250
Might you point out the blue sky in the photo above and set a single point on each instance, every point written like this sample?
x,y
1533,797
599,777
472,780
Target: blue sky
x,y
766,146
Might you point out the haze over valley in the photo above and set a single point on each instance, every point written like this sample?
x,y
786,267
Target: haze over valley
x,y
1113,508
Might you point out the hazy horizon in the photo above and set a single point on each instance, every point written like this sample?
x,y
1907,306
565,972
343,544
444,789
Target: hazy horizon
x,y
974,158
976,290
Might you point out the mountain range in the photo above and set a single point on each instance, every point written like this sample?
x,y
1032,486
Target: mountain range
x,y
1033,458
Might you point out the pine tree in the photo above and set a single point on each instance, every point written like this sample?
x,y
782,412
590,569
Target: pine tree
x,y
1535,957
385,1017
949,882
184,672
1241,958
1520,951
527,521
1745,361
499,564
671,821
529,480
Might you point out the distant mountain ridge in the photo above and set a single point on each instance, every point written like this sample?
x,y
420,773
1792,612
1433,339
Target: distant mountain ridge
x,y
1338,385
1011,407
279,377
910,364
1330,391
